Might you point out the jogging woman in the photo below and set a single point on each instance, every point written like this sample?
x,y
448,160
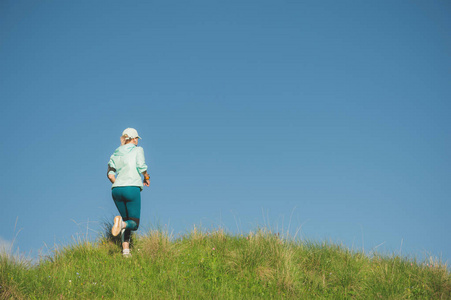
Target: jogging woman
x,y
128,163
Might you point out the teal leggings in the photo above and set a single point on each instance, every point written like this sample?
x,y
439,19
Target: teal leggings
x,y
128,203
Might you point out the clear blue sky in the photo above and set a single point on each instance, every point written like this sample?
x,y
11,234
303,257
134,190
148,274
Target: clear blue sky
x,y
334,112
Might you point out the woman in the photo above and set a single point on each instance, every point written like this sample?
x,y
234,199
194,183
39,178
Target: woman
x,y
128,163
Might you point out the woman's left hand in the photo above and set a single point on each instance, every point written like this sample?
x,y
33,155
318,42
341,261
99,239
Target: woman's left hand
x,y
146,182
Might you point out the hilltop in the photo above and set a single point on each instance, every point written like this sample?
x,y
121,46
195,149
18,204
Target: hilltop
x,y
218,265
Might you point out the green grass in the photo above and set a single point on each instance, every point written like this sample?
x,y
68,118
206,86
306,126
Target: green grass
x,y
218,265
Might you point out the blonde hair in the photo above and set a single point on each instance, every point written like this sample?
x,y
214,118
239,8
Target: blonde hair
x,y
125,139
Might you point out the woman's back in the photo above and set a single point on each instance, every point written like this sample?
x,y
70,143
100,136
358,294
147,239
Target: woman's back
x,y
129,162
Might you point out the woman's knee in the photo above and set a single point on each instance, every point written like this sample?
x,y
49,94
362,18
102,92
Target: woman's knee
x,y
132,224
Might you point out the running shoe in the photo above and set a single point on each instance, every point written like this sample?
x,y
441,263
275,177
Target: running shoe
x,y
117,226
126,253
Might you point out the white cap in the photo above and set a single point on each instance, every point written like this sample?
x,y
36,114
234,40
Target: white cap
x,y
131,132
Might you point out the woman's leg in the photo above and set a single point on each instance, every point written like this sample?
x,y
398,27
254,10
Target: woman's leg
x,y
133,207
128,203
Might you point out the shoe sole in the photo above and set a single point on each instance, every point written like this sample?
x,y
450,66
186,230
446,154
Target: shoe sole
x,y
116,226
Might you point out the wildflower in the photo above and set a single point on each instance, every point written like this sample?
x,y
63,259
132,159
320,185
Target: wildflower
x,y
213,249
70,281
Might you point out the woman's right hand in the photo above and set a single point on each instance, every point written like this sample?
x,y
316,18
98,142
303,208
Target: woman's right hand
x,y
146,182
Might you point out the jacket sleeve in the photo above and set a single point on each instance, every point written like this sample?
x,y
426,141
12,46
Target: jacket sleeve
x,y
111,168
140,160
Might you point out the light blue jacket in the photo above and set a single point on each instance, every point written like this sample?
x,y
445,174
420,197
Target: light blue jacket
x,y
128,163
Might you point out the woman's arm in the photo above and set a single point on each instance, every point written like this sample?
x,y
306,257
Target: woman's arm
x,y
146,180
112,178
110,173
141,165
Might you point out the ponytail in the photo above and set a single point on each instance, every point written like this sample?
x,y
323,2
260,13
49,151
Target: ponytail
x,y
125,139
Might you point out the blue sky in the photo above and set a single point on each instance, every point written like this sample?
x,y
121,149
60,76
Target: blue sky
x,y
332,116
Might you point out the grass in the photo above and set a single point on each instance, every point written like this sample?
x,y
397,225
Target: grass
x,y
217,265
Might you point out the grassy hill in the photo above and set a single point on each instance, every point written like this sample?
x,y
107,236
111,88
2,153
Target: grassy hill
x,y
217,265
